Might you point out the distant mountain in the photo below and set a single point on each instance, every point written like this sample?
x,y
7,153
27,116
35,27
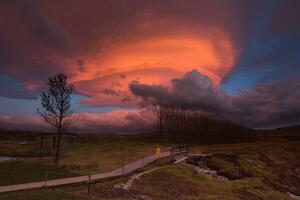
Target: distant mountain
x,y
222,125
295,130
287,131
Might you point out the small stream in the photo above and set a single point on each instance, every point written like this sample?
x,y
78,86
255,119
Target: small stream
x,y
207,171
201,168
204,170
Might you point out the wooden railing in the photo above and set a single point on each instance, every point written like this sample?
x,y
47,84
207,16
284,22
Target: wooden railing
x,y
179,150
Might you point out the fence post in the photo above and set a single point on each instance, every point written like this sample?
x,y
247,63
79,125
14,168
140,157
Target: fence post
x,y
89,183
123,168
46,178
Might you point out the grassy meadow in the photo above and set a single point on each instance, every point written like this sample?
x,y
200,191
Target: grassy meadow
x,y
254,171
94,153
267,169
106,156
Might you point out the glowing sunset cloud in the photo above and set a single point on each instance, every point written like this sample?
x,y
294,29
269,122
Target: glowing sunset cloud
x,y
113,44
153,61
107,47
180,54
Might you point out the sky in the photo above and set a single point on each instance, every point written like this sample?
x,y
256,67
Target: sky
x,y
236,60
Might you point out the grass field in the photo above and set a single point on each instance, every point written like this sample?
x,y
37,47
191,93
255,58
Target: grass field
x,y
29,171
103,157
97,157
179,182
23,149
260,176
256,171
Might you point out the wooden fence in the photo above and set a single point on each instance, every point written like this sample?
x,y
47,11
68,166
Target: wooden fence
x,y
177,150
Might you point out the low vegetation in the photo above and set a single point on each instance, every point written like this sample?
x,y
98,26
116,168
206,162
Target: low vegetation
x,y
179,182
95,154
106,156
24,149
255,171
16,172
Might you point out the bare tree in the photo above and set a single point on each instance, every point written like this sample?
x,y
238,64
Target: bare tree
x,y
56,107
157,110
179,125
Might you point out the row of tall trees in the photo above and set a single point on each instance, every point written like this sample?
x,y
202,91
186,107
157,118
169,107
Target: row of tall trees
x,y
177,124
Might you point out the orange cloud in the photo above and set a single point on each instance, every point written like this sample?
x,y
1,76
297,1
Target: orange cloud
x,y
181,54
151,61
112,44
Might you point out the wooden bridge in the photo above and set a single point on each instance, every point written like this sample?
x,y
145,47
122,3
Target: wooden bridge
x,y
179,150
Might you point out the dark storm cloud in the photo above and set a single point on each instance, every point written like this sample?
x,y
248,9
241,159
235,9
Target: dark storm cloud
x,y
284,19
269,105
263,106
41,28
27,43
194,90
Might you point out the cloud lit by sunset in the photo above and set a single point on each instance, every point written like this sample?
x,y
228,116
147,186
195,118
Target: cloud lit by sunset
x,y
117,53
154,61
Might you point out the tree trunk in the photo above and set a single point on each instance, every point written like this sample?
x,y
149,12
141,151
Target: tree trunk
x,y
57,150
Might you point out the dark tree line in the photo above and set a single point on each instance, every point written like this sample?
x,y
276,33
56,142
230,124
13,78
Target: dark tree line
x,y
179,125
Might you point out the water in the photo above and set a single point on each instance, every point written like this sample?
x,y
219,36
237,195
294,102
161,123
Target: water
x,y
5,158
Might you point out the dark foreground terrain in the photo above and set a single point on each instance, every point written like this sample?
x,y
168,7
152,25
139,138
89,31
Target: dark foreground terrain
x,y
266,169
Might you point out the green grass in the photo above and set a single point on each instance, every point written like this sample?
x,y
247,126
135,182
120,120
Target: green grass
x,y
260,167
29,171
106,156
173,182
179,182
274,162
224,167
19,149
256,169
95,156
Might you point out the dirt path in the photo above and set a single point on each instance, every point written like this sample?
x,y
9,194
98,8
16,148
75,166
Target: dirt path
x,y
83,179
